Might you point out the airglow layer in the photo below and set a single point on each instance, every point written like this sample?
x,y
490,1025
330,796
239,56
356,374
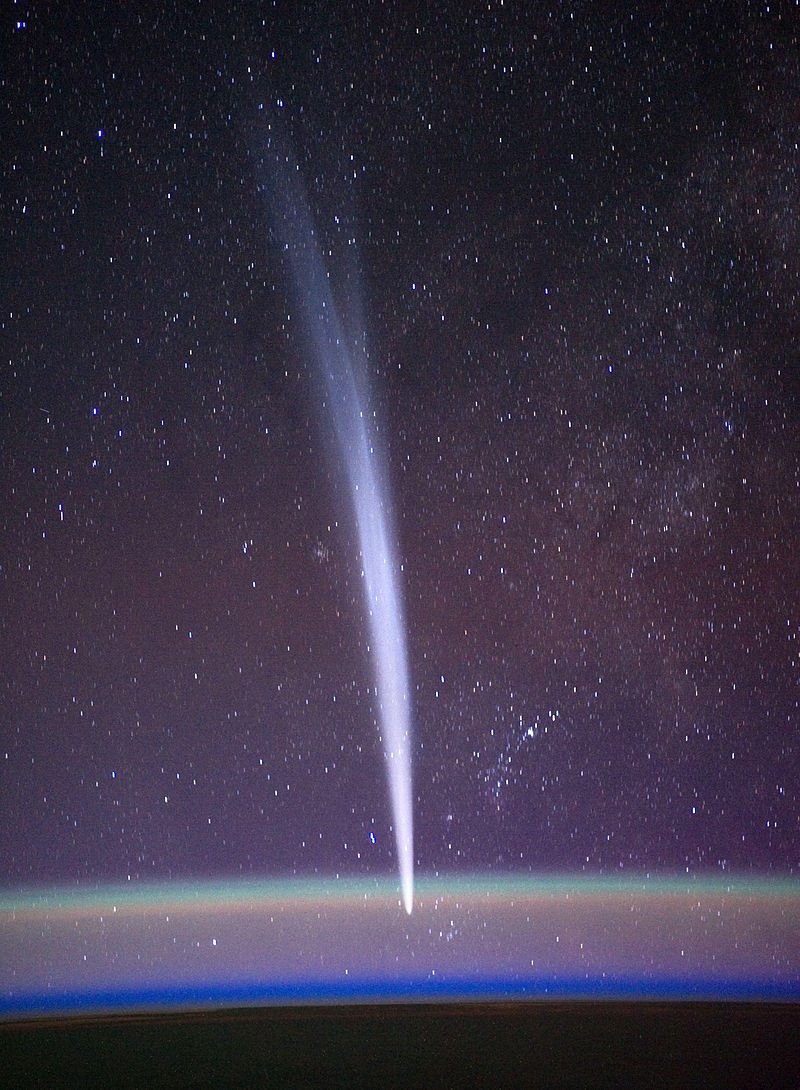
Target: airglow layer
x,y
480,936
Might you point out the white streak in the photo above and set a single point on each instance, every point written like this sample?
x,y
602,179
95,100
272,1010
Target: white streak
x,y
347,396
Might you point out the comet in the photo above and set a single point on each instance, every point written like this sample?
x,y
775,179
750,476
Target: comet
x,y
341,365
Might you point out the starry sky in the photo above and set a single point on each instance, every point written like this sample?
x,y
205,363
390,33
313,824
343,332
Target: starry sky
x,y
568,235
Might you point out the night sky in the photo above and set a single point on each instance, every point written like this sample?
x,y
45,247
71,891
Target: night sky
x,y
568,235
